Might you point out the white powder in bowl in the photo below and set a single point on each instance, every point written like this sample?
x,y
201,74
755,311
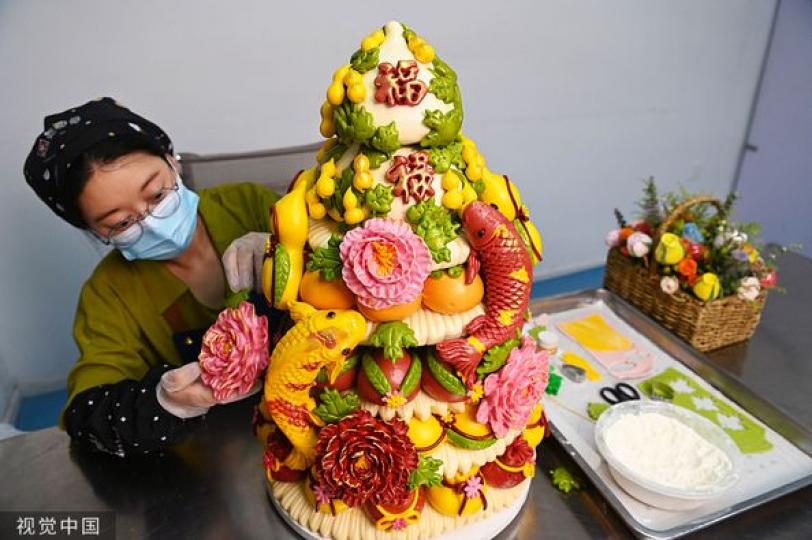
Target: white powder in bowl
x,y
666,451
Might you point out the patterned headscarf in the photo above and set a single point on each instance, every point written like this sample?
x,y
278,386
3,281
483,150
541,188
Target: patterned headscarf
x,y
68,134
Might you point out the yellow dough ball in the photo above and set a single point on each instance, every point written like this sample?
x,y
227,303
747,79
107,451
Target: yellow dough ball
x,y
316,210
362,180
452,199
335,93
354,216
327,128
451,181
356,93
426,434
450,502
325,186
360,163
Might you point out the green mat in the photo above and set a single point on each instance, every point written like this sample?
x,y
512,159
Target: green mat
x,y
680,389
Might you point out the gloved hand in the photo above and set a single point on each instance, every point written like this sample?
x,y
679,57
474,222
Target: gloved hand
x,y
182,392
242,261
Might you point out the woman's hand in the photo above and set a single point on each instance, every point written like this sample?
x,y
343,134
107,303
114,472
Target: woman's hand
x,y
242,261
182,392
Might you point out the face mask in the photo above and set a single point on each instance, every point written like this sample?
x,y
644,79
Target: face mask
x,y
166,238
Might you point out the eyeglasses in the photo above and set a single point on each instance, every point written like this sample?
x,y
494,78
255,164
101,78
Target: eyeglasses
x,y
162,205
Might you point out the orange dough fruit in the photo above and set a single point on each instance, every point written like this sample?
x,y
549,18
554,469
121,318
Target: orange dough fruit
x,y
323,294
394,313
451,295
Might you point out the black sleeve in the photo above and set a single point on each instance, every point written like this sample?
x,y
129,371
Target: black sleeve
x,y
125,418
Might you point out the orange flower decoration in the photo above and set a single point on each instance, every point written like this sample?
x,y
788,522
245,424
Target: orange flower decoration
x,y
687,267
625,233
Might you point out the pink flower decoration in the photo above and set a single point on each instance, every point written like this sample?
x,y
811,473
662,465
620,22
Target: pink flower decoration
x,y
770,279
613,238
385,263
638,244
321,494
399,524
234,352
512,392
472,487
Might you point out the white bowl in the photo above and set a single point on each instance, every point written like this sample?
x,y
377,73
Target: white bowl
x,y
655,493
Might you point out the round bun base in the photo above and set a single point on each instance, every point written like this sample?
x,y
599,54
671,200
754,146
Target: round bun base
x,y
484,529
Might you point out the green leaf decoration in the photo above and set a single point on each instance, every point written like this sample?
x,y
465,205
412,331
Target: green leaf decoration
x,y
335,405
495,357
479,186
468,444
412,377
236,298
327,260
281,272
379,199
535,331
455,271
376,157
436,226
375,375
564,481
426,474
444,127
444,84
442,158
350,363
343,183
408,33
392,337
386,138
446,90
447,380
528,244
659,390
437,274
362,61
334,153
343,228
595,409
353,123
441,69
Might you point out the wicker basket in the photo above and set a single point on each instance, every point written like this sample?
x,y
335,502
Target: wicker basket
x,y
705,325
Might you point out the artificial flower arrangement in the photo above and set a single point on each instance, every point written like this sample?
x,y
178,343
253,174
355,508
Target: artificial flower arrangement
x,y
705,254
680,249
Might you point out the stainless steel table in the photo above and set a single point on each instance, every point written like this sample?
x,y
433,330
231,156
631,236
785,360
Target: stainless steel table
x,y
212,486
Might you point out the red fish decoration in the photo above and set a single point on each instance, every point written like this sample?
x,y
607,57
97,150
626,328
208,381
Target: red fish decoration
x,y
507,271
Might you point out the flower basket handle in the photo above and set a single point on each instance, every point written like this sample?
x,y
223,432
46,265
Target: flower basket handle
x,y
676,214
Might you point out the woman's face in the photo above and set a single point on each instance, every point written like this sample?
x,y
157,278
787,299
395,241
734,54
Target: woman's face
x,y
118,192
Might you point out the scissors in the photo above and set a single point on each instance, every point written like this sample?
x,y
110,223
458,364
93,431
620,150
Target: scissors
x,y
619,393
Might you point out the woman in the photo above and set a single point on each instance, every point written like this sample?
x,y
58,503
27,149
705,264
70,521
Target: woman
x,y
141,314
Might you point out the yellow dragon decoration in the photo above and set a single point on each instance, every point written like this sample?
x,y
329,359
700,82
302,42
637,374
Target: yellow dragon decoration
x,y
320,338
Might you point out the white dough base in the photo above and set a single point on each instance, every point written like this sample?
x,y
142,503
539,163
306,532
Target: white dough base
x,y
484,529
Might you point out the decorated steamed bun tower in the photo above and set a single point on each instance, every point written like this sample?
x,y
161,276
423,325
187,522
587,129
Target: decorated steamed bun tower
x,y
404,402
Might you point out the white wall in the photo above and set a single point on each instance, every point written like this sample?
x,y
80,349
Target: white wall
x,y
775,185
576,101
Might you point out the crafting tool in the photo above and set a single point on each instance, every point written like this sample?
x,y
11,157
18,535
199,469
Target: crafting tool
x,y
575,360
574,373
619,393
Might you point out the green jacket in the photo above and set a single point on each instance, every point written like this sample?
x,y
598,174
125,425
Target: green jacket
x,y
129,310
